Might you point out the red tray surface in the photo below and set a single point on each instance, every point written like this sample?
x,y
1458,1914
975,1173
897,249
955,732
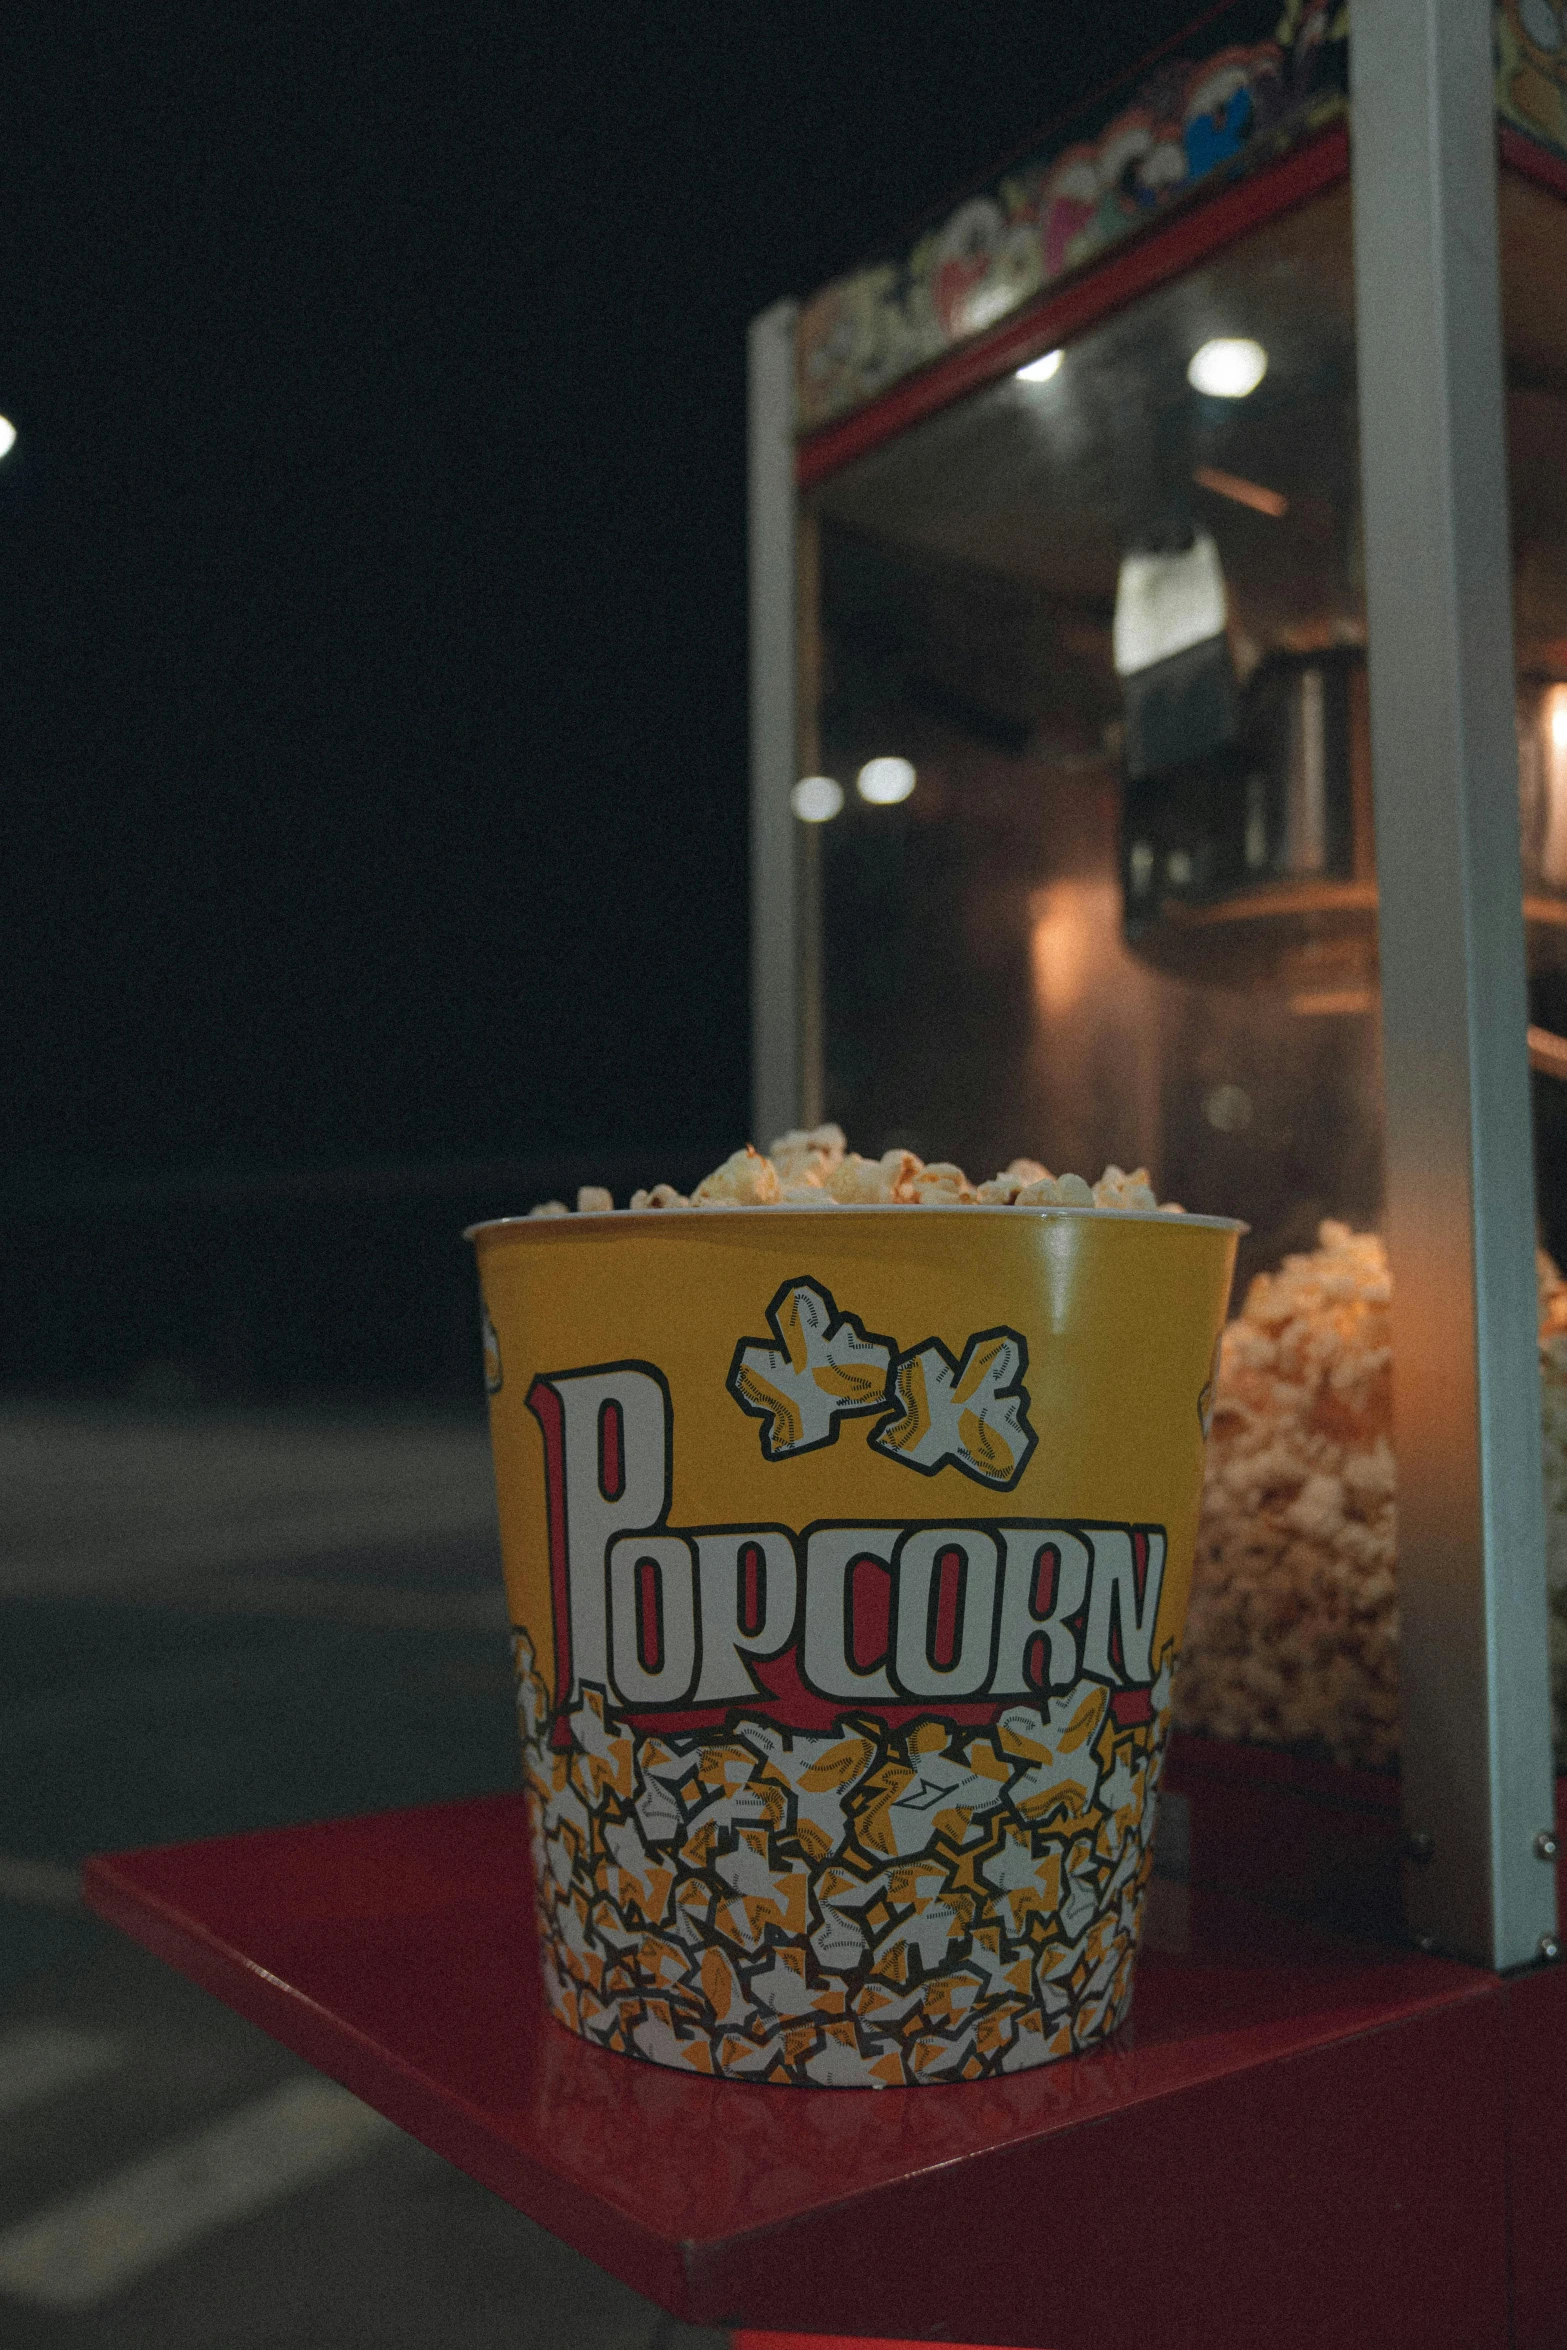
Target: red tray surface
x,y
1279,2090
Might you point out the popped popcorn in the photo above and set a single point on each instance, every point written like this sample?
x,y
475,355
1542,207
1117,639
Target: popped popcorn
x,y
745,1180
880,1182
1292,1632
807,1158
662,1195
815,1169
941,1184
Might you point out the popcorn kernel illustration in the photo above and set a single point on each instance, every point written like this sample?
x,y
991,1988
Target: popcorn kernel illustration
x,y
959,1904
973,1413
825,1367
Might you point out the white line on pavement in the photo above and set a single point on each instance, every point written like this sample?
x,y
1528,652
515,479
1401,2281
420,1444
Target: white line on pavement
x,y
77,2252
40,1884
375,1604
39,2060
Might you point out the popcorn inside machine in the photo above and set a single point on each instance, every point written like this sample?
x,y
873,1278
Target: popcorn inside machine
x,y
1160,666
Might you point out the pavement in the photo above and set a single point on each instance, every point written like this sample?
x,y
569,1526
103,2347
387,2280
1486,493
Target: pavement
x,y
209,1622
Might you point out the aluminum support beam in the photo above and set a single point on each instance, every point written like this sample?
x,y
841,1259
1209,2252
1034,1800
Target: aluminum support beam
x,y
775,920
1460,1189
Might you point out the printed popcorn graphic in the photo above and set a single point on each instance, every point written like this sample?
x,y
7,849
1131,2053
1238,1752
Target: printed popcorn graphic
x,y
851,1804
824,1367
972,1413
873,1904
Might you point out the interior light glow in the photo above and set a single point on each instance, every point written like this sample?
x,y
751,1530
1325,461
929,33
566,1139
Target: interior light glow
x,y
1074,932
1241,492
1332,1003
885,781
816,799
7,436
1039,371
1548,1051
1228,367
1551,769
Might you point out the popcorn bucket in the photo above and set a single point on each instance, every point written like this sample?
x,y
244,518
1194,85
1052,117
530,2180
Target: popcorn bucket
x,y
847,1556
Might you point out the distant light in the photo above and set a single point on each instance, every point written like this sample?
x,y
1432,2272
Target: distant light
x,y
885,781
1228,1109
816,799
7,436
1039,371
1227,368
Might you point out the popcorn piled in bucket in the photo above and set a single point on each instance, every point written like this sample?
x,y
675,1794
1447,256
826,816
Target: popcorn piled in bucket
x,y
818,1170
1292,1634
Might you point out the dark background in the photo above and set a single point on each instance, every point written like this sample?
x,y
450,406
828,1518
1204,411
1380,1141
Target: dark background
x,y
373,624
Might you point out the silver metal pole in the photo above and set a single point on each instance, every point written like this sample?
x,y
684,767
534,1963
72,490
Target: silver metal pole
x,y
1460,1190
775,944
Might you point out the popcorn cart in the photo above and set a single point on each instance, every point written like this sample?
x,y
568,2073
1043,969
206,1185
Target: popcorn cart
x,y
1159,595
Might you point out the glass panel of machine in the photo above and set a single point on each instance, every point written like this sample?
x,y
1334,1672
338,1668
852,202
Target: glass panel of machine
x,y
1094,875
1117,899
1534,320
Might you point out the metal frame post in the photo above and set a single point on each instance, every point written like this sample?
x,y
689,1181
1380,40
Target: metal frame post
x,y
775,915
1460,1190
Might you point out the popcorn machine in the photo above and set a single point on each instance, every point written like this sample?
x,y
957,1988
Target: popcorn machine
x,y
1160,756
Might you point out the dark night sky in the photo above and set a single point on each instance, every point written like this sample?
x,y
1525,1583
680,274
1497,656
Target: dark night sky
x,y
372,674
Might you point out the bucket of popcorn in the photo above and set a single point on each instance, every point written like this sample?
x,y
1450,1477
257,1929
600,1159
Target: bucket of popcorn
x,y
847,1511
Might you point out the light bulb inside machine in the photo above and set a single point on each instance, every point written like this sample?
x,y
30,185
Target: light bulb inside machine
x,y
883,782
1227,368
816,799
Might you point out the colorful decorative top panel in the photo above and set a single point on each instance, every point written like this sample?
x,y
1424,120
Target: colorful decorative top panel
x,y
1277,75
1531,67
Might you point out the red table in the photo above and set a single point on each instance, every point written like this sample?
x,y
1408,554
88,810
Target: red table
x,y
1298,2138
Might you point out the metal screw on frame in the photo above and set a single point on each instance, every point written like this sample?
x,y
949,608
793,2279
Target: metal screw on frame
x,y
1545,1845
1550,1949
1420,1847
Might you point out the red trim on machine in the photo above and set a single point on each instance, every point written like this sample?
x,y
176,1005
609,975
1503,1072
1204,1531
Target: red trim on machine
x,y
1532,161
1149,260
